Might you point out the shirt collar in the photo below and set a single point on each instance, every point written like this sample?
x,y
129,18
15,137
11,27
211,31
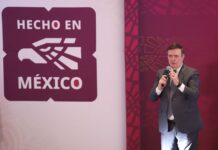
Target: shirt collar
x,y
178,69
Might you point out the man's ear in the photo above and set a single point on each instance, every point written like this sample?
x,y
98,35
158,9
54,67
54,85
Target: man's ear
x,y
183,56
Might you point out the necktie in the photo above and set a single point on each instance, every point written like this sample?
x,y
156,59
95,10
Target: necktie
x,y
171,91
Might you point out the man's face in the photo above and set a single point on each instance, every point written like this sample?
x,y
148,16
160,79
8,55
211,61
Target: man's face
x,y
175,58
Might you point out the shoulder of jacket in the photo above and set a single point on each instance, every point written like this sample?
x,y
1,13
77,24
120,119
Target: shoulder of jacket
x,y
189,70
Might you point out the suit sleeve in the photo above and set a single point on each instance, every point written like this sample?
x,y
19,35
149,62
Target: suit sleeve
x,y
191,90
153,95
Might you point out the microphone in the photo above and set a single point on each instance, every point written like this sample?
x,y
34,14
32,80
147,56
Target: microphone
x,y
166,72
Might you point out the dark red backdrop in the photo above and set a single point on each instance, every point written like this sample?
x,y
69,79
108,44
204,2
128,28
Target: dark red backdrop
x,y
150,25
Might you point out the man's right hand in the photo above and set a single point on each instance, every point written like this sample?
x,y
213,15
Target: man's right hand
x,y
162,82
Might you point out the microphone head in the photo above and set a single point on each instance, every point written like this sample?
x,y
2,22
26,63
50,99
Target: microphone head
x,y
168,68
167,71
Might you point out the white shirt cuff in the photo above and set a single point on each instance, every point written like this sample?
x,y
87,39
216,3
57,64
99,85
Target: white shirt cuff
x,y
182,87
158,91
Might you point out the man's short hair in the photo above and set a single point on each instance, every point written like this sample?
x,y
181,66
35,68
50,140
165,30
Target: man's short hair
x,y
175,46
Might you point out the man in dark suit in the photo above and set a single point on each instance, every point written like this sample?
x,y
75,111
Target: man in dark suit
x,y
177,87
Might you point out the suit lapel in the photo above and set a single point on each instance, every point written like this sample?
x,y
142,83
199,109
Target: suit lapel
x,y
180,75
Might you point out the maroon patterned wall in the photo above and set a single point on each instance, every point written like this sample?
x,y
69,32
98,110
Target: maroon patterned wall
x,y
132,75
150,26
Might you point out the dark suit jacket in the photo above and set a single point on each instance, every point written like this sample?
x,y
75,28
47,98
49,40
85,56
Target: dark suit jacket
x,y
184,104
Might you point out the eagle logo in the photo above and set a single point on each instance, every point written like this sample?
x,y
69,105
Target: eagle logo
x,y
59,51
